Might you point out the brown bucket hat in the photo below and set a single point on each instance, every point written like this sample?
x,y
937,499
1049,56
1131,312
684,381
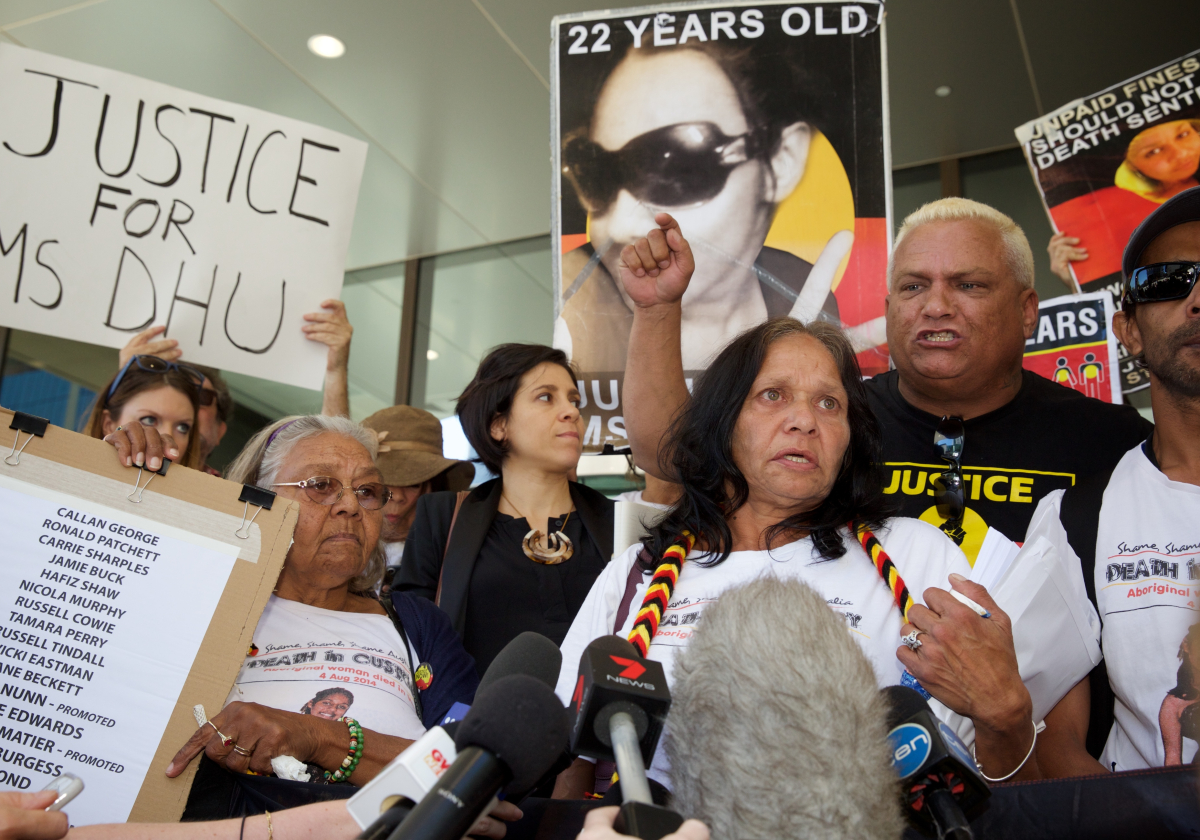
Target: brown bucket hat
x,y
410,449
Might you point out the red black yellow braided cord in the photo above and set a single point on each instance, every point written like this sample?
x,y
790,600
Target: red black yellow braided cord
x,y
658,594
886,568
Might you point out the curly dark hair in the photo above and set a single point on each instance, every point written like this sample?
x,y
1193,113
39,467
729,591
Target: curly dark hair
x,y
699,452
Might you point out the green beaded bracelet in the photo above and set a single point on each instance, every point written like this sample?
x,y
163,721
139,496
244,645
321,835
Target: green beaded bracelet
x,y
350,762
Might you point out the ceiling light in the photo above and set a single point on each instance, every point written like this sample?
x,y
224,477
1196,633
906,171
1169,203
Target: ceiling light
x,y
942,91
326,46
431,354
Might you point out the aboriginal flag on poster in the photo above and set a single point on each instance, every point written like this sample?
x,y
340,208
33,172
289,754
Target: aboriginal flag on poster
x,y
762,128
1105,162
1074,345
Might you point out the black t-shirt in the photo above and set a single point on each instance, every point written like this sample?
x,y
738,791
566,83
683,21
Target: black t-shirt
x,y
1047,438
510,593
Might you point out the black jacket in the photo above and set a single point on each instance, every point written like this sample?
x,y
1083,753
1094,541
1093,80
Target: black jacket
x,y
426,542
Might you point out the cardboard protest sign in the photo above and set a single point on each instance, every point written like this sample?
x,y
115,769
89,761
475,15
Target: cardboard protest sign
x,y
762,127
128,203
120,615
1074,345
1105,162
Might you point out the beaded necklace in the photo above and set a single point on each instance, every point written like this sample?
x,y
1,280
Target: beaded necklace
x,y
666,576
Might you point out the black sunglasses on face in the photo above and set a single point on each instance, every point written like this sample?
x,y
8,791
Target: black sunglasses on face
x,y
674,166
1160,282
153,364
948,492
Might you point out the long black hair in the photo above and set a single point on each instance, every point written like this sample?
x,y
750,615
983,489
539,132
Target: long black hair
x,y
699,452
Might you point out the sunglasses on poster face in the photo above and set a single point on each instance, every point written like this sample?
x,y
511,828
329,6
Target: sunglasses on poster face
x,y
674,166
948,494
1160,282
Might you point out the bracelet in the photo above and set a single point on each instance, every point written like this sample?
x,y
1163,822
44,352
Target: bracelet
x,y
270,828
351,760
1037,727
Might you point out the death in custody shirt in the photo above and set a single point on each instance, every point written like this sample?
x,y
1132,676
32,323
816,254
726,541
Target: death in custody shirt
x,y
850,585
331,664
1046,438
1147,584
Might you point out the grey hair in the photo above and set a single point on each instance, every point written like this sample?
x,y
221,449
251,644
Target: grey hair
x,y
264,455
777,727
1017,252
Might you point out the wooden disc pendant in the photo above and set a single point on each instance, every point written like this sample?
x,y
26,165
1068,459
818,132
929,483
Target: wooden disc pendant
x,y
558,543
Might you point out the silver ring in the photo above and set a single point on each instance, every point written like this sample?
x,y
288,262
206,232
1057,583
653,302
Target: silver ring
x,y
911,641
242,751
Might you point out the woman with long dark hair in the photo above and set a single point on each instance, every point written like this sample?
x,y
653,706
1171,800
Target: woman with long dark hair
x,y
519,552
778,456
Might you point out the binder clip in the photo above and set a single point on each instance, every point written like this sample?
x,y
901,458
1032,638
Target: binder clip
x,y
261,498
30,425
139,488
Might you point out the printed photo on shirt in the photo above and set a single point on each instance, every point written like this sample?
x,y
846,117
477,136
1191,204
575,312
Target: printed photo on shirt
x,y
331,704
1179,716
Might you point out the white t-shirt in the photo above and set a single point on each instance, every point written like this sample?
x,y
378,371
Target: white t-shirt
x,y
636,497
315,661
1147,579
392,552
851,586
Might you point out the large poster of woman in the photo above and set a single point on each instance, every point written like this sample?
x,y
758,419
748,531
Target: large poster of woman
x,y
762,127
1105,162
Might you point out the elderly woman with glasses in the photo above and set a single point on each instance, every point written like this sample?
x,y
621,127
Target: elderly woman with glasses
x,y
399,659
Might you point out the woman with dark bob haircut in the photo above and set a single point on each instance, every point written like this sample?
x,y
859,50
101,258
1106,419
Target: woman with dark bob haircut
x,y
519,552
778,452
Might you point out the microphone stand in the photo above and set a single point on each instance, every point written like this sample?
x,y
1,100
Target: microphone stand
x,y
639,816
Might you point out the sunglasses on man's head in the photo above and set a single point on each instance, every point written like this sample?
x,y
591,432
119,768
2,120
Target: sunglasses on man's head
x,y
153,364
1160,282
674,166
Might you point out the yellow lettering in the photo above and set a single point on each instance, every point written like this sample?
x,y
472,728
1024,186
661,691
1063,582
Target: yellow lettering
x,y
990,484
1021,488
976,482
909,489
895,485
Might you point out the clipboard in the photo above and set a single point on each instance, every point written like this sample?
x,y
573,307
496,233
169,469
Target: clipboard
x,y
55,459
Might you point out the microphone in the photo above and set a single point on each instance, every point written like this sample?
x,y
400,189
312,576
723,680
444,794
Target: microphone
x,y
395,790
513,733
777,727
938,774
619,705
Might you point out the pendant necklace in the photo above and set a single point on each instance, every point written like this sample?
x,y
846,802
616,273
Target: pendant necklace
x,y
558,545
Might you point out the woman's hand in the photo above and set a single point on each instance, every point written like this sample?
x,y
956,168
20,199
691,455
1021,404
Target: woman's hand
x,y
144,344
493,825
1063,252
23,816
969,663
331,328
598,825
262,732
658,267
139,445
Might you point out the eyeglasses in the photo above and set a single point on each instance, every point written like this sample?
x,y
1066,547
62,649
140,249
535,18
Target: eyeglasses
x,y
326,490
153,364
948,487
1160,282
674,166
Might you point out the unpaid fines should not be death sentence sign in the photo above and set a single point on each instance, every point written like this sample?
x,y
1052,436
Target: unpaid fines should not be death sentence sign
x,y
127,203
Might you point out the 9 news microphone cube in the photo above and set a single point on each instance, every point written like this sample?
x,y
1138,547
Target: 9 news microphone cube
x,y
612,682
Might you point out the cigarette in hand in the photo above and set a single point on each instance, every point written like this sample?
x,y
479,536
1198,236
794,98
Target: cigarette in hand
x,y
964,600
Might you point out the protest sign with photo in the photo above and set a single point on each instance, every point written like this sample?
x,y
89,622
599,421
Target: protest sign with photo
x,y
128,203
1105,162
1074,345
762,128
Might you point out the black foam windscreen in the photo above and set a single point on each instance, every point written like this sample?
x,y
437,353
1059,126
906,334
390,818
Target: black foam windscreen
x,y
520,720
531,654
614,646
903,702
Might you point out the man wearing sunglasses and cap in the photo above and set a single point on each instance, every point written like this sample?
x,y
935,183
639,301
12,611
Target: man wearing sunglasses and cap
x,y
1133,530
410,458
